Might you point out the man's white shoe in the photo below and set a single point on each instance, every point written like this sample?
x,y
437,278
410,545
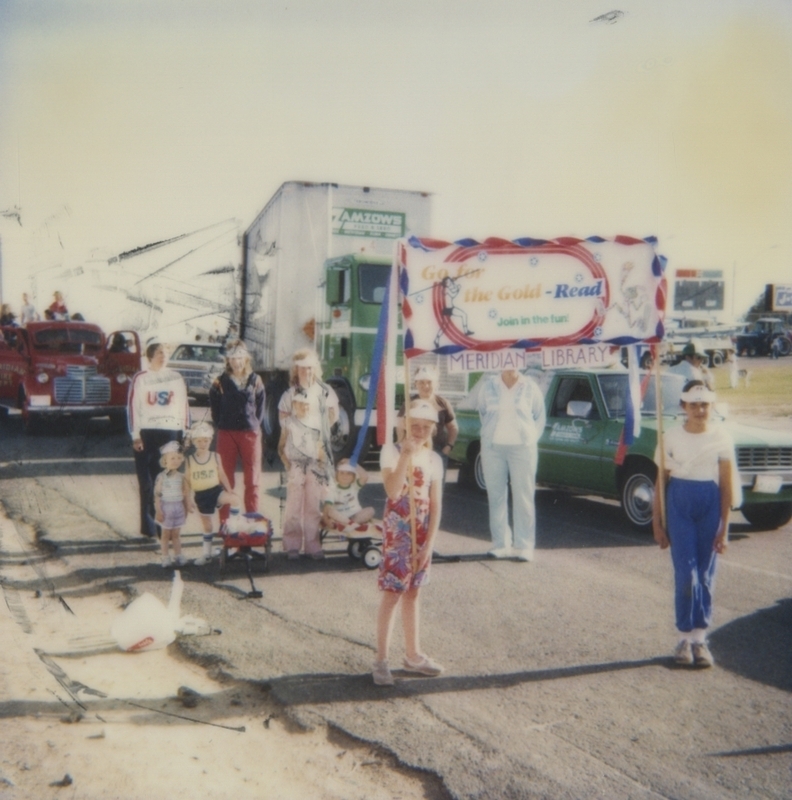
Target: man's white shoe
x,y
500,552
526,554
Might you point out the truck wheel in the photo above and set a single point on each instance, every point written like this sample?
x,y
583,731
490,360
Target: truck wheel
x,y
344,433
767,516
784,346
637,495
471,472
274,389
118,422
716,358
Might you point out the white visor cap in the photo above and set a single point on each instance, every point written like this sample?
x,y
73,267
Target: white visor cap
x,y
423,410
698,394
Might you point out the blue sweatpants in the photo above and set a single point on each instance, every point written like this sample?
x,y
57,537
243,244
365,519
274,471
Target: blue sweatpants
x,y
693,510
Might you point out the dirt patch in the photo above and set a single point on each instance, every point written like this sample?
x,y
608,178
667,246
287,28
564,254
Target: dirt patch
x,y
82,719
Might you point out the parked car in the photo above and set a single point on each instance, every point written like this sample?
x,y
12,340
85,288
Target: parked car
x,y
199,363
65,368
757,338
577,451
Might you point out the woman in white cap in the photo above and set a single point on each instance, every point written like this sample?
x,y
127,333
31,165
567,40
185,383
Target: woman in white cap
x,y
425,381
238,404
403,571
308,478
512,411
698,462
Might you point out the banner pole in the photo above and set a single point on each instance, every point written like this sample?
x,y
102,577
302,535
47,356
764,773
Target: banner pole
x,y
660,442
410,488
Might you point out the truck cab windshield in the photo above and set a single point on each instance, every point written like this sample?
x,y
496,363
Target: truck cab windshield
x,y
373,280
68,340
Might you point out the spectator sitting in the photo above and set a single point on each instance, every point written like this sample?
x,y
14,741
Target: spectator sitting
x,y
119,344
7,316
342,505
58,307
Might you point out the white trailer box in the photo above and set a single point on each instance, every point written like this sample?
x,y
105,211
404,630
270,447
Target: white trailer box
x,y
286,246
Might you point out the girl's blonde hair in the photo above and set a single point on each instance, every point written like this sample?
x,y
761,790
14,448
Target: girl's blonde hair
x,y
304,353
413,404
238,344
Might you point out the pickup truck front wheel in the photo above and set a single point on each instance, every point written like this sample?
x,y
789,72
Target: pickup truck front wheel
x,y
637,495
767,516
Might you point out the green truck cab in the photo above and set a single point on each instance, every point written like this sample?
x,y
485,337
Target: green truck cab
x,y
577,450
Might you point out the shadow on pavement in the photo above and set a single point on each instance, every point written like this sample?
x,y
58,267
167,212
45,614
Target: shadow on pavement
x,y
758,646
318,689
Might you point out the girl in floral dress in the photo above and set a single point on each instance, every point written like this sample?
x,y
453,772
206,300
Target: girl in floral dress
x,y
402,575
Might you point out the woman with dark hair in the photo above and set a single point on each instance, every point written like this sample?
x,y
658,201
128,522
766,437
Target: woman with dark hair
x,y
697,463
238,403
158,412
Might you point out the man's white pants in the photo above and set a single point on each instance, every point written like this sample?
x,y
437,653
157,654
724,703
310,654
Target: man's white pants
x,y
502,464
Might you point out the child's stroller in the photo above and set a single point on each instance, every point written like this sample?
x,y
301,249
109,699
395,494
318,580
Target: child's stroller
x,y
241,535
364,541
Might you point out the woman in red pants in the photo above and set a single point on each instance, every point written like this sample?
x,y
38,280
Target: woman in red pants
x,y
238,402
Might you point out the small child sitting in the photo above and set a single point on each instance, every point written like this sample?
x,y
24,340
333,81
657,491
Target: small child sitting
x,y
208,481
342,505
171,502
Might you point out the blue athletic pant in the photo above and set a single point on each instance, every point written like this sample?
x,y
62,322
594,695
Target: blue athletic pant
x,y
693,510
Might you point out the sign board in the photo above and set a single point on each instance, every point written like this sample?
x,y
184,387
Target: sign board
x,y
365,222
578,356
699,290
529,294
780,297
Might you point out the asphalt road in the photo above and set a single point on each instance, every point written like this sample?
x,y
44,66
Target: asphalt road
x,y
559,682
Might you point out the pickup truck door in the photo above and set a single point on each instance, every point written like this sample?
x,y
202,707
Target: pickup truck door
x,y
570,451
14,364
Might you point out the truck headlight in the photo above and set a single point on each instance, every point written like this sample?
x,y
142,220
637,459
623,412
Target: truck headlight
x,y
121,377
365,381
42,377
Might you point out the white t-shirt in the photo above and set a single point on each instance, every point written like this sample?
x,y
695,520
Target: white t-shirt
x,y
345,498
695,456
425,459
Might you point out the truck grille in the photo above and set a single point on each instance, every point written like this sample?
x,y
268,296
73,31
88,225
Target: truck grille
x,y
194,378
82,385
759,459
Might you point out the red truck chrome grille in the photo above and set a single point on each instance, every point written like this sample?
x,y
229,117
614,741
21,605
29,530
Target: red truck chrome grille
x,y
82,385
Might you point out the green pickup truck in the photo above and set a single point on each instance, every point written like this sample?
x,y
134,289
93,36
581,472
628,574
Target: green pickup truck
x,y
577,451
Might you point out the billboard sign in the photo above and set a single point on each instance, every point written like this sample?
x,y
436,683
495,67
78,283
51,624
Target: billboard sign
x,y
699,290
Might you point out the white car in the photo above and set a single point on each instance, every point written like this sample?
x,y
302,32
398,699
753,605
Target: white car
x,y
199,363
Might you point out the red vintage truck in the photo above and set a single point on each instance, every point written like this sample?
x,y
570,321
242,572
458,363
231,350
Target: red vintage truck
x,y
70,368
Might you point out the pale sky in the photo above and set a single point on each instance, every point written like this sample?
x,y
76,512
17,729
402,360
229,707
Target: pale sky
x,y
126,122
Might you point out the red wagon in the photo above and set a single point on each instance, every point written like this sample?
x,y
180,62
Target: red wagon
x,y
248,538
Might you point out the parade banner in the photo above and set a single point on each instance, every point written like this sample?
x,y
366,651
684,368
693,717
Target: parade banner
x,y
529,294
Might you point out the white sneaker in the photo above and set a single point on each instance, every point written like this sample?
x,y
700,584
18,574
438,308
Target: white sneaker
x,y
423,665
382,674
683,653
166,562
500,552
526,554
180,560
202,559
702,657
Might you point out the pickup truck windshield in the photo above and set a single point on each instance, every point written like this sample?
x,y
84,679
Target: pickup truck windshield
x,y
373,278
68,340
197,352
614,392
